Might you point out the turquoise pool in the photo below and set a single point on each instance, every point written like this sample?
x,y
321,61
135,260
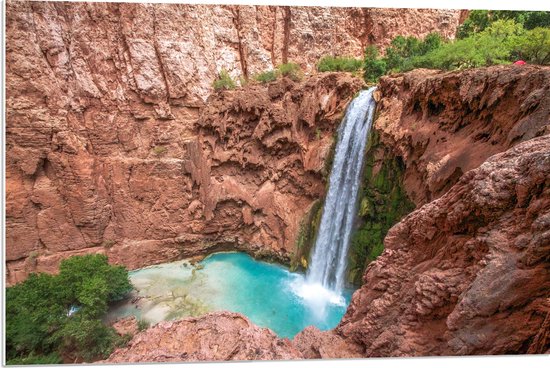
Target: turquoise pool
x,y
268,294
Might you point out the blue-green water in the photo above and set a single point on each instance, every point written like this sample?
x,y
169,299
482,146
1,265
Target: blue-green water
x,y
269,295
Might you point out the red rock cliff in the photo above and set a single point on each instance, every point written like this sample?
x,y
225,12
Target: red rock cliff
x,y
467,272
104,152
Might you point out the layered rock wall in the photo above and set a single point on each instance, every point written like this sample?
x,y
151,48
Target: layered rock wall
x,y
467,273
105,151
242,178
441,124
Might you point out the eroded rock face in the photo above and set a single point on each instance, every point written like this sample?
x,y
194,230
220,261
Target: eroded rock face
x,y
466,273
104,153
441,124
216,336
240,177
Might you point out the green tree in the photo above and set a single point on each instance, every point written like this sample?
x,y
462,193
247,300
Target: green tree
x,y
86,338
374,67
33,312
48,316
534,46
479,20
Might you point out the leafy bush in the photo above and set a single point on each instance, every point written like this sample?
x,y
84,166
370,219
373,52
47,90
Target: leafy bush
x,y
266,77
373,68
142,325
534,46
52,358
224,81
479,20
49,316
503,42
339,64
290,70
489,42
400,54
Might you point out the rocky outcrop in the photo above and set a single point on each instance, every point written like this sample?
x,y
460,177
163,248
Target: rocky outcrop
x,y
434,126
316,344
466,273
439,125
432,129
104,152
216,336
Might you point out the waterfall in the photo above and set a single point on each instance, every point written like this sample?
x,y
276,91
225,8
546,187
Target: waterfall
x,y
329,260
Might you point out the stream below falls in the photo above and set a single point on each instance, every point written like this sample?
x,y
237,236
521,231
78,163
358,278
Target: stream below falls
x,y
268,294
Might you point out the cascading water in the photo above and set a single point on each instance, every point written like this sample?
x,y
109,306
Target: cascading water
x,y
326,275
328,263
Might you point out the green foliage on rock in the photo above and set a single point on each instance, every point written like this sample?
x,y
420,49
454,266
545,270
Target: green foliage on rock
x,y
535,46
339,64
290,70
306,236
501,43
48,316
402,51
52,358
479,20
373,67
224,81
266,77
486,38
382,203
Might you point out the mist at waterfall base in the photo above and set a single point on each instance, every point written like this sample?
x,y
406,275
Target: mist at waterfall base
x,y
235,282
269,295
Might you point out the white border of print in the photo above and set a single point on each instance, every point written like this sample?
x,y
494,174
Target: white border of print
x,y
427,362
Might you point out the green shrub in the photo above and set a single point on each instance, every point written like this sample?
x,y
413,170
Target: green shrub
x,y
479,20
500,43
534,46
143,325
89,339
224,81
52,358
486,38
61,314
402,51
290,70
266,77
339,64
373,67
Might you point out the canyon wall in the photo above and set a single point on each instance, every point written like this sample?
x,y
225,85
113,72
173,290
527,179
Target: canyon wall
x,y
242,179
112,145
442,124
467,272
433,127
